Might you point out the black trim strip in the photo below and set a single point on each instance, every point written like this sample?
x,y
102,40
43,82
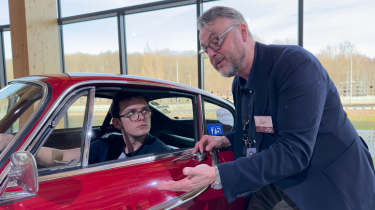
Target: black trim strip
x,y
3,75
300,23
121,25
126,10
4,28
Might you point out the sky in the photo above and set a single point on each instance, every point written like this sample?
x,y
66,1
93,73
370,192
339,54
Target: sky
x,y
326,23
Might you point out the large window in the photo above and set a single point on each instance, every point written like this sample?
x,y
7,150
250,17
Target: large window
x,y
4,12
74,7
270,22
341,35
8,56
163,44
92,46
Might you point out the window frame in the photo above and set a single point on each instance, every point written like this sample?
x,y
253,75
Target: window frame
x,y
50,125
218,103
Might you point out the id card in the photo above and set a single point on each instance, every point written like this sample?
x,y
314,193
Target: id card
x,y
251,151
263,124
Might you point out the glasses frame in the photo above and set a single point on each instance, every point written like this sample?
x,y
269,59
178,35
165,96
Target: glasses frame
x,y
219,40
146,112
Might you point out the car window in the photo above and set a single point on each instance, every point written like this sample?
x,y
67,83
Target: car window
x,y
173,121
218,119
101,108
177,108
62,148
18,101
172,127
75,114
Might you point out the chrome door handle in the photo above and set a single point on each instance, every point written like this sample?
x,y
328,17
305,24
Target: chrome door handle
x,y
197,156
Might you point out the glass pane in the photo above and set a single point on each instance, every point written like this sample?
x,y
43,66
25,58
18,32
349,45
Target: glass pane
x,y
173,121
101,108
8,56
177,108
165,49
4,12
63,146
74,7
92,46
17,104
75,114
346,49
218,120
270,22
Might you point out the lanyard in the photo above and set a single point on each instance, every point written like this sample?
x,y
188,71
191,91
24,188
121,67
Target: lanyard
x,y
247,123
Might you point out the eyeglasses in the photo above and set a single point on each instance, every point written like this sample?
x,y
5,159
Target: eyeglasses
x,y
216,42
133,115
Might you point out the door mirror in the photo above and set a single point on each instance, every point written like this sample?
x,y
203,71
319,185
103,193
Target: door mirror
x,y
22,178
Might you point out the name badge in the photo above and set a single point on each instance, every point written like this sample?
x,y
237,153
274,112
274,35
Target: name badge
x,y
250,151
263,124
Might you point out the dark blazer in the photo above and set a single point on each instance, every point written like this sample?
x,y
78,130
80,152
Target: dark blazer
x,y
111,147
314,155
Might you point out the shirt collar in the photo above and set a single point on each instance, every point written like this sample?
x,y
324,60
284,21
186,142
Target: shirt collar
x,y
246,85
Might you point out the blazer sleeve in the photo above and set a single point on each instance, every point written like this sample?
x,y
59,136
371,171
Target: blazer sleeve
x,y
300,88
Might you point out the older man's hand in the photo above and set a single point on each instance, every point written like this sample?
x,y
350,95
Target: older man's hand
x,y
196,177
208,143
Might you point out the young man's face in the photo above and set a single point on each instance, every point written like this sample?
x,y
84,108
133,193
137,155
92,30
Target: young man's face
x,y
135,117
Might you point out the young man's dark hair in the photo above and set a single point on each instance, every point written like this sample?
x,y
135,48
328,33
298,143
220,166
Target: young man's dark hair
x,y
115,110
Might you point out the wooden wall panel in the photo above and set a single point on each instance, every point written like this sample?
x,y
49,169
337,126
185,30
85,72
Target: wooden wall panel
x,y
35,41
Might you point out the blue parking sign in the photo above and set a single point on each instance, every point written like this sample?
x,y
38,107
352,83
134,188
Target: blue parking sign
x,y
215,129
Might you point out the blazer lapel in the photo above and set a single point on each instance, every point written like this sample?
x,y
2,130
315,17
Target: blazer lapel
x,y
261,81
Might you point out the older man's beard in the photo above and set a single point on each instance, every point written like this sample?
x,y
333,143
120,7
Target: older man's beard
x,y
231,71
234,68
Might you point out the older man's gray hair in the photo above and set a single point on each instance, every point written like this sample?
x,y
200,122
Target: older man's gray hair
x,y
221,12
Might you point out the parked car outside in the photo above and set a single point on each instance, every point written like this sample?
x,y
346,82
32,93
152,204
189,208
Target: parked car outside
x,y
68,111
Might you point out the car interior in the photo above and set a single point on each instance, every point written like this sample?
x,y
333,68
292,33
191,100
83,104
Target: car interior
x,y
177,132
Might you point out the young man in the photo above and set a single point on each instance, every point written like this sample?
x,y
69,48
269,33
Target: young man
x,y
132,116
294,146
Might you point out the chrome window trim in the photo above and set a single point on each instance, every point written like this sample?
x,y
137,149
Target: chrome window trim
x,y
170,204
203,122
97,168
71,97
94,82
88,126
44,87
164,83
58,101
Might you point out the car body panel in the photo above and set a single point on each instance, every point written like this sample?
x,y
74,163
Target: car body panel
x,y
115,185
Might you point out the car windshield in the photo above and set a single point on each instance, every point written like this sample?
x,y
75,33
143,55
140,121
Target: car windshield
x,y
18,101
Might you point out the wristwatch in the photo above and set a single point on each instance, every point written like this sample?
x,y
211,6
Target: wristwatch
x,y
217,183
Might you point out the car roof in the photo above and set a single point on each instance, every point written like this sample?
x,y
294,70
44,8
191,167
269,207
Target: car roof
x,y
66,80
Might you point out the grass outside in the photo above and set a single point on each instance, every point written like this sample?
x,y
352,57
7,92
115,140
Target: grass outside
x,y
361,125
362,119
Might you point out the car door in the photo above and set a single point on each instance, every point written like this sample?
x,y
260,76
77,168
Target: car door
x,y
116,184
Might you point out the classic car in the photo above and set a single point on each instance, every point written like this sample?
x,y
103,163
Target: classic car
x,y
69,110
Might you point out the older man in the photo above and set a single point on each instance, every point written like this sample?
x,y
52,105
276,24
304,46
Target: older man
x,y
294,146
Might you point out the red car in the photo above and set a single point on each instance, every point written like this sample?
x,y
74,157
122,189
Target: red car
x,y
67,111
